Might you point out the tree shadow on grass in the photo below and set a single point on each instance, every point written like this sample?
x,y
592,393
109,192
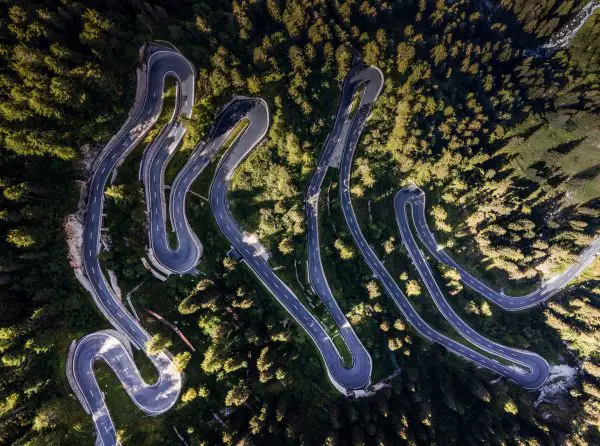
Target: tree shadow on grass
x,y
569,146
587,174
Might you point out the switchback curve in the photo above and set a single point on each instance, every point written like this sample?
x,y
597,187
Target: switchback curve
x,y
531,371
113,347
414,198
345,379
160,62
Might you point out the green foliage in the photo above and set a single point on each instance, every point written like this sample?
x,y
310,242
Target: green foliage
x,y
9,403
238,395
344,250
456,83
116,192
20,238
157,343
182,360
413,288
510,407
15,192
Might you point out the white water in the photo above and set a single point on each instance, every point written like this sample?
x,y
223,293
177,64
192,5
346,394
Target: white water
x,y
562,38
562,378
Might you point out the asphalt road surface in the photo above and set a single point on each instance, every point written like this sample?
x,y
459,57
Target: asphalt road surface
x,y
160,62
413,198
114,348
526,368
345,379
361,359
186,255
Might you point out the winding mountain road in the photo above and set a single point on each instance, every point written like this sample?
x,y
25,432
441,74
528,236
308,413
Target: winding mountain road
x,y
316,274
413,198
526,368
345,379
186,255
113,347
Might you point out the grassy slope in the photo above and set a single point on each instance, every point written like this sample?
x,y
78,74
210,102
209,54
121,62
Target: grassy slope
x,y
576,137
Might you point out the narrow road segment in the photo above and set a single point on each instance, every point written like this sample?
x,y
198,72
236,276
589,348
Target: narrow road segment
x,y
345,379
413,198
526,368
160,62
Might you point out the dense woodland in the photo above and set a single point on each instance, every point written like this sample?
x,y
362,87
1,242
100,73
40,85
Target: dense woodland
x,y
500,140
